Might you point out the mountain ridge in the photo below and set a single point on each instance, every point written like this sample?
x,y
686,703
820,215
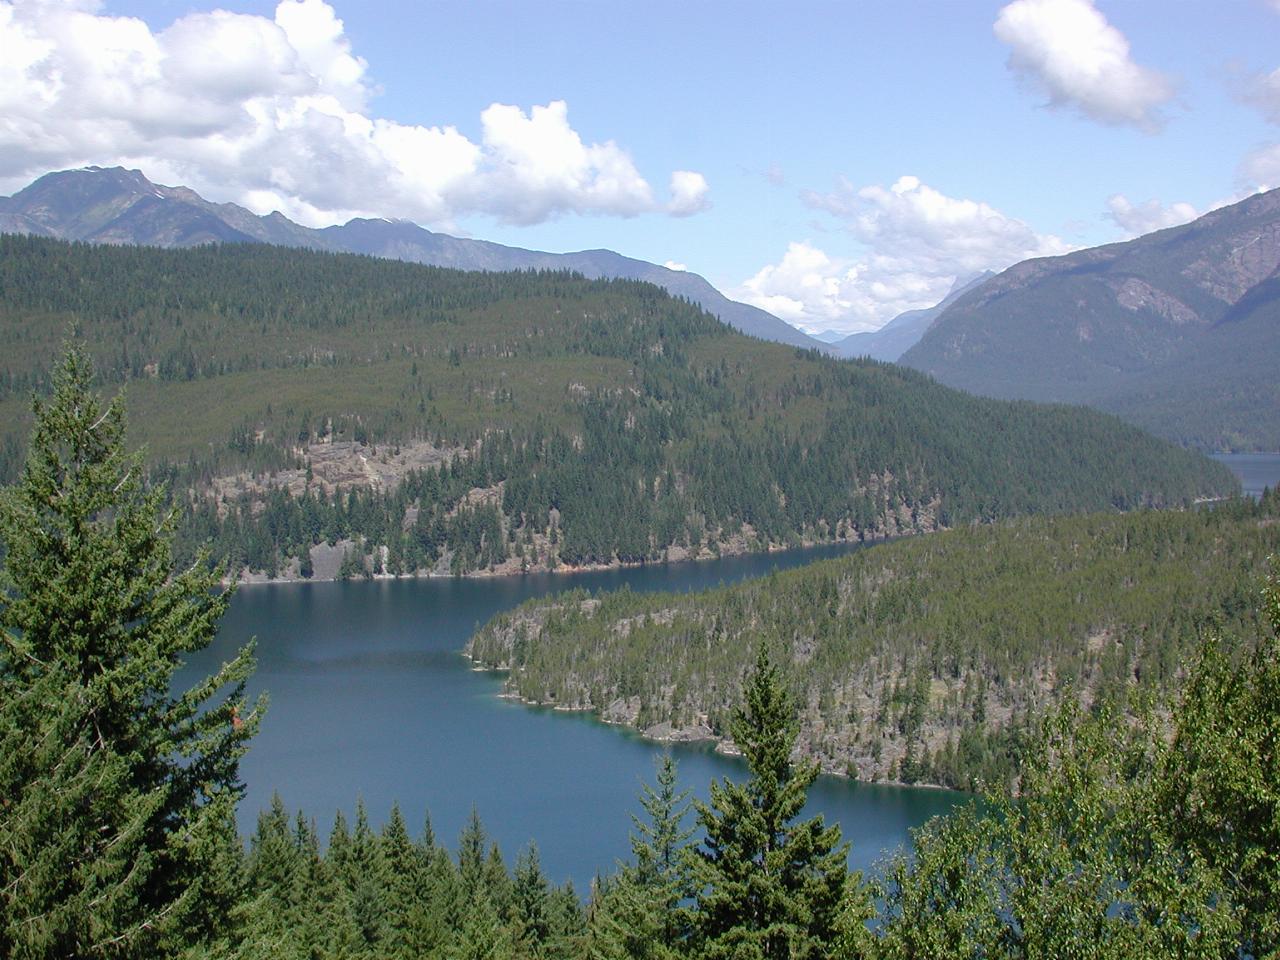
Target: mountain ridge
x,y
124,206
1177,331
905,330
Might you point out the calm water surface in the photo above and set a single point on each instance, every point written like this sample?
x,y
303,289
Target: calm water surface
x,y
371,698
1255,470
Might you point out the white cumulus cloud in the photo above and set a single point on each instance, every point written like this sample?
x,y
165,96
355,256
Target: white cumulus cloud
x,y
274,113
1068,50
1262,90
1260,168
1136,219
917,242
688,194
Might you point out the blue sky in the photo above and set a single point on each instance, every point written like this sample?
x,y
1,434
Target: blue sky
x,y
833,162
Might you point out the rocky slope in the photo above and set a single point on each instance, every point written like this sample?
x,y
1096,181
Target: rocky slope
x,y
1177,331
604,421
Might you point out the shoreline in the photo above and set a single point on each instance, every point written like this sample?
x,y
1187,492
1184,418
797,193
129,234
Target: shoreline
x,y
721,745
563,569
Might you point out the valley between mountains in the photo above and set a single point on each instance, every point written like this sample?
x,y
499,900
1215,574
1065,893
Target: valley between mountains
x,y
322,415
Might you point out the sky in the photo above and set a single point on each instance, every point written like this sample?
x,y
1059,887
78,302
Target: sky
x,y
834,163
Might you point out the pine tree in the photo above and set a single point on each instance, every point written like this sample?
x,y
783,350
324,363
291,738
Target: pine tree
x,y
659,841
366,879
436,897
530,902
404,864
482,886
767,887
271,917
637,912
115,790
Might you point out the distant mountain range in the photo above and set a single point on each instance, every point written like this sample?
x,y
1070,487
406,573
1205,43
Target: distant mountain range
x,y
115,205
1177,331
905,330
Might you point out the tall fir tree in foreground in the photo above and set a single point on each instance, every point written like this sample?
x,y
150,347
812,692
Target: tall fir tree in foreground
x,y
117,794
766,886
637,913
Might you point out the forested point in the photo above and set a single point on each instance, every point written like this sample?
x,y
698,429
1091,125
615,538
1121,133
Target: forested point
x,y
928,660
1146,836
500,422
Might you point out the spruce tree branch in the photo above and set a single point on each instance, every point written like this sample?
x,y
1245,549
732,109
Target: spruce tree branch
x,y
19,648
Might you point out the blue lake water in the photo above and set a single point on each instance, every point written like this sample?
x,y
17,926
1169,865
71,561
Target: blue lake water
x,y
371,698
1255,470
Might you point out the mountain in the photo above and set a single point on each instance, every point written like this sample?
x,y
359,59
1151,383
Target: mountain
x,y
1177,331
115,205
323,408
902,332
828,336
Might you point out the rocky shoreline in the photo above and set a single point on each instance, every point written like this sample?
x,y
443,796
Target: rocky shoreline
x,y
326,561
664,732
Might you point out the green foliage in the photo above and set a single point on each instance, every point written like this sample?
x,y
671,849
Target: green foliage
x,y
638,912
115,834
384,895
1221,784
766,886
1134,831
927,659
1124,840
603,421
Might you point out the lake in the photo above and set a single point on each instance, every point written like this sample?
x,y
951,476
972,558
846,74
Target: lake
x,y
1255,470
371,698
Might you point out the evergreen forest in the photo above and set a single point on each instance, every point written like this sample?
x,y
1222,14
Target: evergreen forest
x,y
927,660
337,415
1149,834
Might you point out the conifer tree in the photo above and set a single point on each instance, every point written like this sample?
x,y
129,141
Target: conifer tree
x,y
402,864
637,912
530,902
437,897
365,878
1221,781
481,895
272,915
116,790
658,843
767,886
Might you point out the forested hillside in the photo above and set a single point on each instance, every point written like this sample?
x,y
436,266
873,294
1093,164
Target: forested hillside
x,y
928,659
361,416
119,206
1128,837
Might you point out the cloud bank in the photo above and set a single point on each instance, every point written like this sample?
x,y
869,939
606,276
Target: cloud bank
x,y
274,114
918,241
1067,50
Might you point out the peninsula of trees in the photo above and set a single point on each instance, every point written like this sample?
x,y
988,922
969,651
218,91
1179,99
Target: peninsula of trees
x,y
931,659
366,416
